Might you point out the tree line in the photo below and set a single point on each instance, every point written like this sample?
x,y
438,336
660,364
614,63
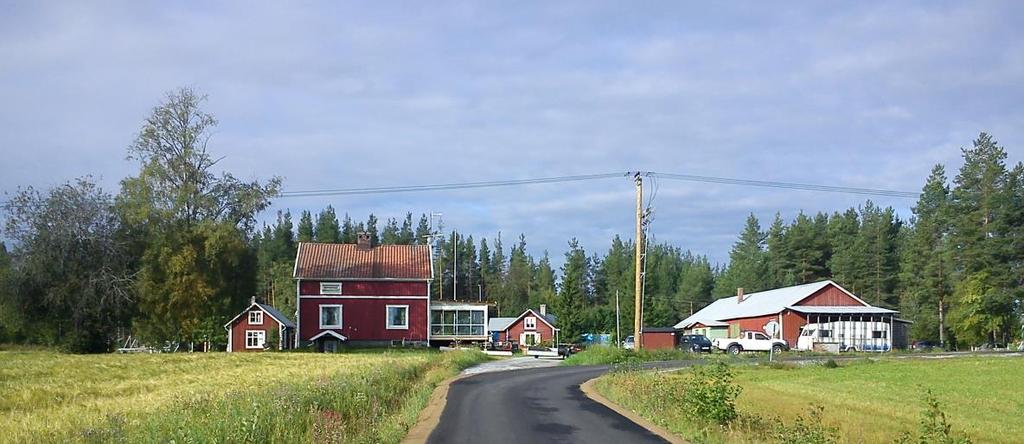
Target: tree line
x,y
177,251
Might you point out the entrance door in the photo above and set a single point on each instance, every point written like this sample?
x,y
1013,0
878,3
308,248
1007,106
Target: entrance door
x,y
330,345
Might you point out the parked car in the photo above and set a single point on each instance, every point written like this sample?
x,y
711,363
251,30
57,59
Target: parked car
x,y
569,349
923,346
695,343
750,341
628,344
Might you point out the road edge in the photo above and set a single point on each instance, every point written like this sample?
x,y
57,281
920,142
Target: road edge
x,y
590,392
430,416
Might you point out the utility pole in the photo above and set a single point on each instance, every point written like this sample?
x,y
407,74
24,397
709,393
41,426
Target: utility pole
x,y
618,327
455,263
637,281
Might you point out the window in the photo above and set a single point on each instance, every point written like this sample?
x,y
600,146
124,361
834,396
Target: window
x,y
878,334
398,317
330,316
449,322
825,333
330,288
255,338
255,318
760,336
530,323
530,338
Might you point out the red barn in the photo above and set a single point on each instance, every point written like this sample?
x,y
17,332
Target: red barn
x,y
361,295
254,329
783,312
530,328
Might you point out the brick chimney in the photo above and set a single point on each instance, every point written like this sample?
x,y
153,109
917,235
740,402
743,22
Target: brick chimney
x,y
543,309
739,295
363,240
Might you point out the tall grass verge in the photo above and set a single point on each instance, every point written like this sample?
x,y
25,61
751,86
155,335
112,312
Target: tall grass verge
x,y
341,398
601,355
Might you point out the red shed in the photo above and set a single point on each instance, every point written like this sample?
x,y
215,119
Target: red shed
x,y
659,338
361,295
254,329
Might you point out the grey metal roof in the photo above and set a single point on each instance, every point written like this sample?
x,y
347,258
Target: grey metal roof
x,y
273,312
499,324
758,304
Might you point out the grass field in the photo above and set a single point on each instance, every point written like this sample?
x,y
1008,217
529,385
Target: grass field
x,y
865,401
218,397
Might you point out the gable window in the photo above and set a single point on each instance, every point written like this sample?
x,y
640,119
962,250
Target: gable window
x,y
530,323
330,288
330,316
255,318
398,317
255,338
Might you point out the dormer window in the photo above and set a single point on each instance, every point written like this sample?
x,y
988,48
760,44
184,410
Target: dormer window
x,y
330,288
255,318
530,323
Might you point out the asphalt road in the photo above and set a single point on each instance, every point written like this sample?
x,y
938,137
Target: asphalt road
x,y
532,406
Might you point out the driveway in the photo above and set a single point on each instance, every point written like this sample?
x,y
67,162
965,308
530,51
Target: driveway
x,y
533,405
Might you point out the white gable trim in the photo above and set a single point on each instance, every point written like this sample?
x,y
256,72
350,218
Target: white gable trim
x,y
528,311
329,333
265,313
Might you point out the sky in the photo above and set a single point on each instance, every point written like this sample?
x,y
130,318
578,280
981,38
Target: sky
x,y
347,95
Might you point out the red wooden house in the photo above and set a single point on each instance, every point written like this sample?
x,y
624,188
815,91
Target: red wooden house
x,y
356,294
255,329
530,328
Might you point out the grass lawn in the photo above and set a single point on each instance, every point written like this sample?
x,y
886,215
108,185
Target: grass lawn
x,y
866,401
217,397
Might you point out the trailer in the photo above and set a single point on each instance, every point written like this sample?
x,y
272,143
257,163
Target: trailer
x,y
845,335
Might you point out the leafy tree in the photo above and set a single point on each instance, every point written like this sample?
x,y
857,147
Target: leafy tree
x,y
193,225
306,227
982,221
326,229
71,279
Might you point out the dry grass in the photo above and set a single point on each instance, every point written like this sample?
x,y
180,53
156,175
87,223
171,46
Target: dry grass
x,y
45,395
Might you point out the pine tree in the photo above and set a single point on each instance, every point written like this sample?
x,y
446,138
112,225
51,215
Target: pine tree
x,y
879,229
371,229
807,245
389,236
326,229
571,306
846,264
520,275
305,227
405,234
422,231
779,256
748,265
349,232
926,269
984,308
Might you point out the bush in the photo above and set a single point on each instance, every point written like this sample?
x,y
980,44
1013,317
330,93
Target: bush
x,y
806,430
710,394
831,363
933,426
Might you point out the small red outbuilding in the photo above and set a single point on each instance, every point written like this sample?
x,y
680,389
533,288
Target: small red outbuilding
x,y
255,327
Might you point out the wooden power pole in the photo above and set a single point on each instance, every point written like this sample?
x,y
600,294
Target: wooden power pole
x,y
639,247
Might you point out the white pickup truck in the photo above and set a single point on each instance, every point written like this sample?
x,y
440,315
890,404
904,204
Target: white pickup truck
x,y
750,341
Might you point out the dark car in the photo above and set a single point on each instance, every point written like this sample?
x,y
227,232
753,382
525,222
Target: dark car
x,y
924,346
695,343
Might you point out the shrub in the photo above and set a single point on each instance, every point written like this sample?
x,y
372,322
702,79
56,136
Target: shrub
x,y
806,430
710,394
830,363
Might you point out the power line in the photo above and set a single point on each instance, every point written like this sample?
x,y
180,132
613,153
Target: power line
x,y
578,178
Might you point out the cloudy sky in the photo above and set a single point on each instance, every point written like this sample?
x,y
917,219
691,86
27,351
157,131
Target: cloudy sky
x,y
344,95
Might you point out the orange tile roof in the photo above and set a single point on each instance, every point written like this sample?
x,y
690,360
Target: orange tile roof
x,y
348,261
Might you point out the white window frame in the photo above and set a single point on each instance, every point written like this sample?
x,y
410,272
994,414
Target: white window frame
x,y
256,320
530,323
322,291
259,335
387,317
341,319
